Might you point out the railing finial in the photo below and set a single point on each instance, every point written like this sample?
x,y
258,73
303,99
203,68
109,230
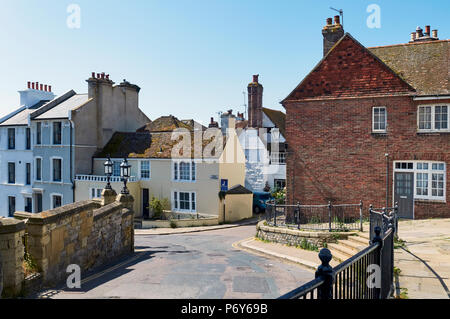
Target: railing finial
x,y
325,271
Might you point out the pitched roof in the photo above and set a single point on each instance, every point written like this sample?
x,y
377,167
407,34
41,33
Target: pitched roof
x,y
424,65
164,124
278,118
61,110
237,190
21,115
349,69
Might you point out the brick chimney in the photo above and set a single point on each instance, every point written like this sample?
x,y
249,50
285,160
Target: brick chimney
x,y
255,94
332,33
420,36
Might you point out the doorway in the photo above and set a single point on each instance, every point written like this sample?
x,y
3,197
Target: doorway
x,y
145,203
404,194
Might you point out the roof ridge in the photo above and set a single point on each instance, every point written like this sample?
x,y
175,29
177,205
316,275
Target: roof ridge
x,y
413,43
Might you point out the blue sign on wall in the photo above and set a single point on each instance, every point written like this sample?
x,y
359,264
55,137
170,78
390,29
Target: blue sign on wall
x,y
224,185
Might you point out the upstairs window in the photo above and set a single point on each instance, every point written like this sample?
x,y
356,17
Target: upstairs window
x,y
145,169
11,138
379,119
28,138
184,171
12,173
57,169
57,133
38,169
433,118
38,133
27,173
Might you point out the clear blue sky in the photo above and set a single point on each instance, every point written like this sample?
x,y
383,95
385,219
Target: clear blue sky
x,y
191,58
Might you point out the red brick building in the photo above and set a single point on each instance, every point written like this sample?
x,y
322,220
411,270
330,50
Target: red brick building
x,y
371,123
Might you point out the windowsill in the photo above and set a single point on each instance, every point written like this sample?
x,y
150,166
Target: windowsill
x,y
432,132
436,201
183,181
380,133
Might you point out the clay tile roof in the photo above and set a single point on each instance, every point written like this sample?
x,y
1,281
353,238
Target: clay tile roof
x,y
424,65
278,118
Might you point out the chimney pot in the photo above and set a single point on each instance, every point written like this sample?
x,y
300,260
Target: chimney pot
x,y
337,20
255,78
45,88
49,88
427,30
435,34
93,75
42,87
29,84
329,21
212,120
37,85
32,85
103,75
107,76
98,75
413,36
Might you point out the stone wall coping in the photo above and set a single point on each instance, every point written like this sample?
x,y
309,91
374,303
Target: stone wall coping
x,y
302,233
53,215
11,225
106,210
126,212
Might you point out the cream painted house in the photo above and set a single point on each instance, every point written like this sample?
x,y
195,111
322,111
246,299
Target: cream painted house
x,y
190,183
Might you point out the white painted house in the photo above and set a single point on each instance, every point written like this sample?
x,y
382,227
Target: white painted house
x,y
16,151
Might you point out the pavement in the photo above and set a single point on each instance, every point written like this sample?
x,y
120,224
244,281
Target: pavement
x,y
424,260
191,265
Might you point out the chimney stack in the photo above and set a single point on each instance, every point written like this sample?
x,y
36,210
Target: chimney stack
x,y
427,30
428,35
332,33
255,95
435,34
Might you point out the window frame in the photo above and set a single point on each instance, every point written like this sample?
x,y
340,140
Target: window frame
x,y
9,205
13,146
433,118
25,204
53,133
38,133
9,173
52,195
28,169
192,170
36,169
52,173
385,119
144,170
192,201
429,170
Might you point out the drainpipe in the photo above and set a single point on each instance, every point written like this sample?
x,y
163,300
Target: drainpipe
x,y
71,156
387,179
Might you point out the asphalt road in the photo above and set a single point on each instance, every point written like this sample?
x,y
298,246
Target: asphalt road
x,y
193,265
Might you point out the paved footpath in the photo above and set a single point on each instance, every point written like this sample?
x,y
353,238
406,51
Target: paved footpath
x,y
425,260
192,265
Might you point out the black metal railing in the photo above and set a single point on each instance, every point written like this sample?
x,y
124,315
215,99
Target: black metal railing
x,y
342,217
367,275
383,218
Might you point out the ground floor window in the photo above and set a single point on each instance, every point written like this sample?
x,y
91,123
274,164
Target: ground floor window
x,y
56,201
11,205
429,178
184,201
279,183
96,193
28,205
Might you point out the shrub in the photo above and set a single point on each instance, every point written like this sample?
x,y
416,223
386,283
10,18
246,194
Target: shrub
x,y
173,224
157,206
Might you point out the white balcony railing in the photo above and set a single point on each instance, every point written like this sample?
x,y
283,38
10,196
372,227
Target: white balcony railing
x,y
278,158
102,178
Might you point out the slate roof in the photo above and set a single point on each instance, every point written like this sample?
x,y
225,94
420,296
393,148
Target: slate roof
x,y
278,118
238,189
61,110
21,117
424,65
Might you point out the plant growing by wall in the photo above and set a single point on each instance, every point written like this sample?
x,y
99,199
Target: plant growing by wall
x,y
279,194
156,206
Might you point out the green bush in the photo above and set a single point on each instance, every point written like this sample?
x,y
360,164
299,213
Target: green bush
x,y
173,224
279,195
156,206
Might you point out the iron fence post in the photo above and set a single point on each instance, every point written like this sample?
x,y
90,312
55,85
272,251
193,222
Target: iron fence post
x,y
385,221
325,271
378,239
361,215
329,215
396,219
298,215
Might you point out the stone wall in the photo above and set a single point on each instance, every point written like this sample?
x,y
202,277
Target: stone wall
x,y
293,237
11,256
87,233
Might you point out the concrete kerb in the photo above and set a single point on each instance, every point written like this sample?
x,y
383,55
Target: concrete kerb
x,y
176,231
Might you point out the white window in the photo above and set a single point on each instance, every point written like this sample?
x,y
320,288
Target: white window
x,y
96,193
145,169
184,201
184,171
429,178
433,118
379,119
56,200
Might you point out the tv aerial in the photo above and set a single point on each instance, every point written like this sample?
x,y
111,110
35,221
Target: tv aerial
x,y
341,13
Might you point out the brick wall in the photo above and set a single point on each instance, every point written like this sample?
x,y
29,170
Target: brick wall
x,y
333,155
